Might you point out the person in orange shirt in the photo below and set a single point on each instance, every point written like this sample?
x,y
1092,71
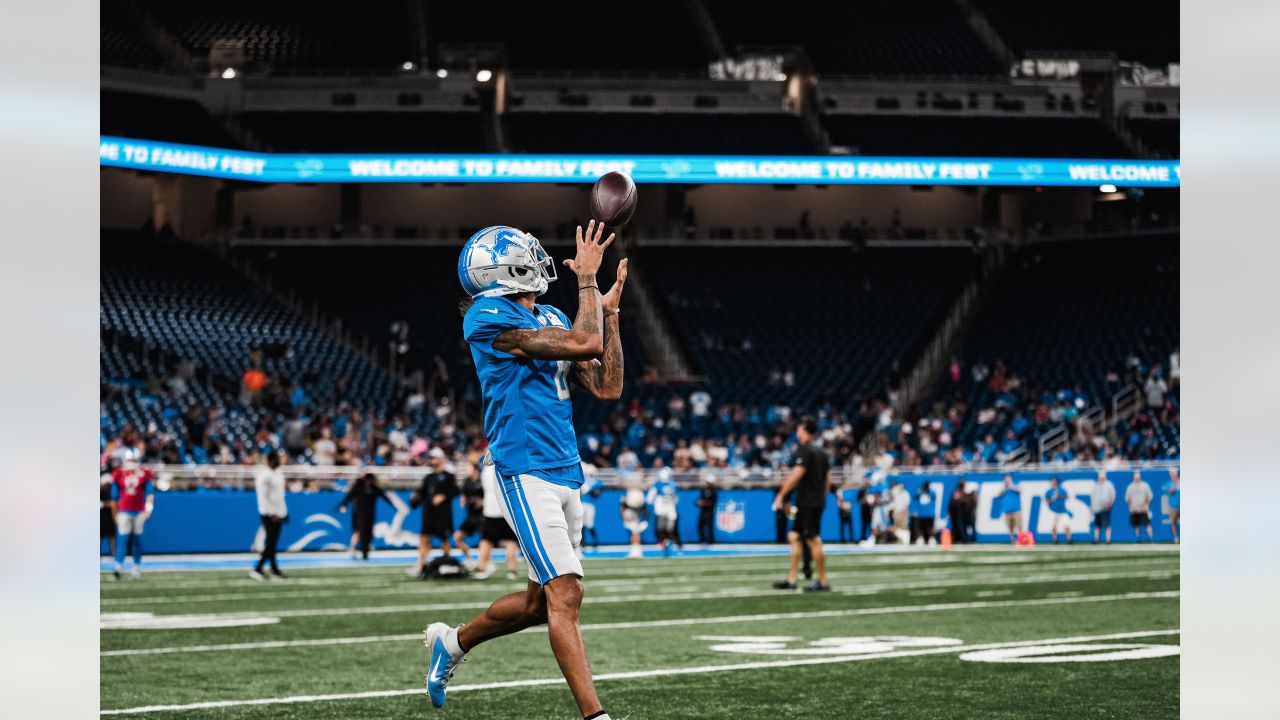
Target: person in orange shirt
x,y
251,385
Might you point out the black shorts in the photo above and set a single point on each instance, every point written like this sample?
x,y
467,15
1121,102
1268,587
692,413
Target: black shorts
x,y
472,524
808,522
437,527
1102,520
1138,519
106,524
496,530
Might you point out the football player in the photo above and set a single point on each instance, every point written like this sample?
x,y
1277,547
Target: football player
x,y
590,492
662,497
134,505
526,354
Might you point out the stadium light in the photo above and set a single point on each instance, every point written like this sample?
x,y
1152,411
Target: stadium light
x,y
229,74
442,73
1107,188
408,66
484,76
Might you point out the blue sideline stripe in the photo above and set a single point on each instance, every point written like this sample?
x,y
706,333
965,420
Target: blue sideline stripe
x,y
537,539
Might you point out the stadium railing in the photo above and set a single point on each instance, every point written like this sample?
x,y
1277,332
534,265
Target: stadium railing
x,y
320,477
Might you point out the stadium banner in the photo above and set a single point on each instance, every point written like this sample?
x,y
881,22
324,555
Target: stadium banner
x,y
226,520
705,169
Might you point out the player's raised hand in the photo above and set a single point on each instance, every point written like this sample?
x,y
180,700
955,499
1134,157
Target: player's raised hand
x,y
590,251
613,298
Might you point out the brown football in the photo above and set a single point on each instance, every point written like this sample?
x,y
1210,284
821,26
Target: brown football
x,y
613,199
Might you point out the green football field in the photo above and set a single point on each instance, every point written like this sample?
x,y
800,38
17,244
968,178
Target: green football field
x,y
1080,632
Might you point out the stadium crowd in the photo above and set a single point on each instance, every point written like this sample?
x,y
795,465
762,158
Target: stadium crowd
x,y
662,425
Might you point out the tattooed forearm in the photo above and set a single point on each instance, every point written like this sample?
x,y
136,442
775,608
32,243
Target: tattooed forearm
x,y
590,313
548,344
604,379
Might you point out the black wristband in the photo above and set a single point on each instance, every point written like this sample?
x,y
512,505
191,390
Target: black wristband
x,y
588,287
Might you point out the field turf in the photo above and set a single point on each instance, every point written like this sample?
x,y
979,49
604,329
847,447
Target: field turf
x,y
668,639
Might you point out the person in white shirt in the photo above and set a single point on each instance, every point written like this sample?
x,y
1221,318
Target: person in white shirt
x,y
1138,497
1101,497
268,483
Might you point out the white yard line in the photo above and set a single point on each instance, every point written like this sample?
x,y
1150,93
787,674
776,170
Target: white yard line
x,y
766,617
696,670
721,594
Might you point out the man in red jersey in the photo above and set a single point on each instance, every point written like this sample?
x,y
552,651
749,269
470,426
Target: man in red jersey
x,y
131,489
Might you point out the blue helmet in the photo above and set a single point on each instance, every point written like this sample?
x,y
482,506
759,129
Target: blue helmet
x,y
501,260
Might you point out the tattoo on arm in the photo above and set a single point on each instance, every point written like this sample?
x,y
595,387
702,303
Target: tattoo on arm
x,y
603,378
590,313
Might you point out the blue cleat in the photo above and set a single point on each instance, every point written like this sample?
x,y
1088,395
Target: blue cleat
x,y
440,664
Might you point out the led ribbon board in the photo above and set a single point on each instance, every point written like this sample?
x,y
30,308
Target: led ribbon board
x,y
708,169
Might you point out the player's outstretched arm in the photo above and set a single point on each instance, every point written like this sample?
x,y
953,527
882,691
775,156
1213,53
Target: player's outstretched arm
x,y
603,378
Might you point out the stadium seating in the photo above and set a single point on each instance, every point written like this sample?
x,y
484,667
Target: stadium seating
x,y
837,320
371,288
367,131
1143,31
895,37
294,37
1159,135
167,302
1062,316
686,133
153,117
123,44
970,136
580,35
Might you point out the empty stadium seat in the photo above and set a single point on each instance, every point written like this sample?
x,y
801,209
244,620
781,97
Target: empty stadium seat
x,y
1139,30
343,131
948,135
684,133
888,37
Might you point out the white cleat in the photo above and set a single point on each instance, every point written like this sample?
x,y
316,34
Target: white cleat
x,y
135,574
255,575
484,574
635,552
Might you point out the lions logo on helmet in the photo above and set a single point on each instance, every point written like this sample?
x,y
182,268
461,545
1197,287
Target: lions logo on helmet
x,y
502,260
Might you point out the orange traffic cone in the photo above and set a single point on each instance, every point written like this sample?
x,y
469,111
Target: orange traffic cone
x,y
946,538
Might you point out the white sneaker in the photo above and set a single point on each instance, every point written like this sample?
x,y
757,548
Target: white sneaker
x,y
484,574
255,575
413,572
511,576
635,552
136,574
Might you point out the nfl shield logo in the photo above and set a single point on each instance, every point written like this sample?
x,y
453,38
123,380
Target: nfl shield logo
x,y
731,516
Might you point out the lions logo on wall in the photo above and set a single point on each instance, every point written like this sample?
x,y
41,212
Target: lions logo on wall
x,y
731,516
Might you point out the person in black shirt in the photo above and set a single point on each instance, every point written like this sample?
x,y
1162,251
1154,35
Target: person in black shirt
x,y
107,512
810,478
472,501
364,494
707,509
438,489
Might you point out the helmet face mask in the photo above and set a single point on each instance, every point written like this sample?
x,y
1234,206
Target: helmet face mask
x,y
501,260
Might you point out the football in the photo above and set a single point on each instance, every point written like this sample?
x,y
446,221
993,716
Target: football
x,y
613,199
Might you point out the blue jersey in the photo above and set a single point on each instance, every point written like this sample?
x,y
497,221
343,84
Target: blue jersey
x,y
528,417
1010,500
590,486
922,504
1057,499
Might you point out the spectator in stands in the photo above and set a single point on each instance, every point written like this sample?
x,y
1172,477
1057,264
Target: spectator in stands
x,y
251,384
1010,504
1101,497
923,507
1055,499
1138,497
1155,389
846,497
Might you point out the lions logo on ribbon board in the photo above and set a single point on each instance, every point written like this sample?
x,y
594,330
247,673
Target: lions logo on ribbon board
x,y
731,516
